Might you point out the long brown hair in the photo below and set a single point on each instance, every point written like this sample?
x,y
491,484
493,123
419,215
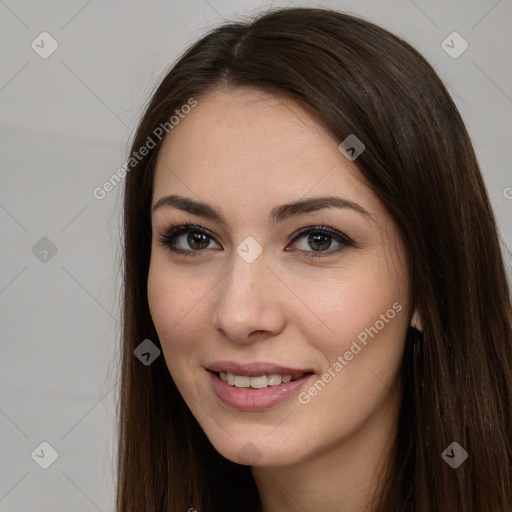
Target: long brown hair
x,y
357,78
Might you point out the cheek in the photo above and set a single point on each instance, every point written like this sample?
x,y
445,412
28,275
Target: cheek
x,y
373,341
362,357
161,299
345,303
353,312
175,308
366,314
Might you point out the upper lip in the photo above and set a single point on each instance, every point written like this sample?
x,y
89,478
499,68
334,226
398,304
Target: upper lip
x,y
255,369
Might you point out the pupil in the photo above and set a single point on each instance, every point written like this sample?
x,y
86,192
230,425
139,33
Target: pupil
x,y
198,238
317,239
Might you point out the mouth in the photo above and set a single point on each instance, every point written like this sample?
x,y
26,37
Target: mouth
x,y
257,386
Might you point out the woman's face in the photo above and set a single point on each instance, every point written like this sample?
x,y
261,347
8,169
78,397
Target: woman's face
x,y
257,299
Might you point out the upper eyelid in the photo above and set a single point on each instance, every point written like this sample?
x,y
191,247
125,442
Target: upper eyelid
x,y
191,226
321,228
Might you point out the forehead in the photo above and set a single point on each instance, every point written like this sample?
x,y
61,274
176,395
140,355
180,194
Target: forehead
x,y
246,139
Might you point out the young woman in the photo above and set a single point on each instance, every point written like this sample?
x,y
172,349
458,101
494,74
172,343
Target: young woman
x,y
310,245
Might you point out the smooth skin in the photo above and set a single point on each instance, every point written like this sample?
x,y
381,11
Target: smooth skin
x,y
244,152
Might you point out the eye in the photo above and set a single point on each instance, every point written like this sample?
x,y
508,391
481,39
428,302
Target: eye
x,y
320,239
186,239
191,239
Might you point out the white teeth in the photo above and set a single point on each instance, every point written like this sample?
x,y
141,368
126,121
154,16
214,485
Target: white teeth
x,y
242,381
260,382
274,379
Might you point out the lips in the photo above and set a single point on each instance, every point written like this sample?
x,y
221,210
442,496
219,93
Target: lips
x,y
241,386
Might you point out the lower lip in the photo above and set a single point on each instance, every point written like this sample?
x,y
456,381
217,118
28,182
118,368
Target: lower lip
x,y
250,399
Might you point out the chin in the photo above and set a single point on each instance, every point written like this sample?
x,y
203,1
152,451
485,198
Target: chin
x,y
255,447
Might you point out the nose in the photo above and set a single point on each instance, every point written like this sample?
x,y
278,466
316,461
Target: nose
x,y
248,308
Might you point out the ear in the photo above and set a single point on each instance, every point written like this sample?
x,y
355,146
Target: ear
x,y
416,322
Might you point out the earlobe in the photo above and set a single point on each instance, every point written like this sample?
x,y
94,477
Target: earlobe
x,y
416,321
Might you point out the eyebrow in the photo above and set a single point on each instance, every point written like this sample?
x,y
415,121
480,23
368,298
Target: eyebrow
x,y
278,214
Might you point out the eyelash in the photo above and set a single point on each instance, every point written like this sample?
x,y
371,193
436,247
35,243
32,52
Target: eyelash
x,y
168,238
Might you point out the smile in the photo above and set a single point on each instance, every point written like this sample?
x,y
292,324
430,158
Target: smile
x,y
259,382
255,386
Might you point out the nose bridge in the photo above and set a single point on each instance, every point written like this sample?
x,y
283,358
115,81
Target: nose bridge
x,y
246,302
244,283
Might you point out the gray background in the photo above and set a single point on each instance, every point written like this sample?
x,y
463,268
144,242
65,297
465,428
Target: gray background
x,y
65,124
